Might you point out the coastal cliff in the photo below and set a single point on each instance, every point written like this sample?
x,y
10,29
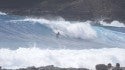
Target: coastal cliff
x,y
68,9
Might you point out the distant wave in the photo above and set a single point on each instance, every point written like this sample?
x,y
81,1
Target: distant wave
x,y
86,58
2,13
113,23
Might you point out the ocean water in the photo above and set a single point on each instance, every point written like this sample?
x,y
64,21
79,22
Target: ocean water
x,y
27,41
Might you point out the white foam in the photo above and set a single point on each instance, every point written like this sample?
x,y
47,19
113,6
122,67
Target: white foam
x,y
113,23
2,13
81,30
24,57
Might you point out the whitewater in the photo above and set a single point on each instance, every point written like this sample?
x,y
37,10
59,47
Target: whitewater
x,y
28,41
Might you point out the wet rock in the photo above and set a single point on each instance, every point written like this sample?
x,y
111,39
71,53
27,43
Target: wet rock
x,y
101,67
31,68
108,20
0,67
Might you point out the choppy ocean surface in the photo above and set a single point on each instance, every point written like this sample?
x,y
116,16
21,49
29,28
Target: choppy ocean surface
x,y
26,41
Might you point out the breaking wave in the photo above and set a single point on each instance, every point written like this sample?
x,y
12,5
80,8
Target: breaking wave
x,y
81,30
113,23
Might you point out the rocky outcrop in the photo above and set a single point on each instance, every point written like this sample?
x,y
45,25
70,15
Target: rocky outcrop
x,y
101,67
105,67
69,9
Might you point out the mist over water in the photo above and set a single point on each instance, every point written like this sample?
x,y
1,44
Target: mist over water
x,y
26,41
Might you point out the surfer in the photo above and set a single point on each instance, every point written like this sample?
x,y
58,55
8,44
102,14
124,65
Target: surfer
x,y
57,35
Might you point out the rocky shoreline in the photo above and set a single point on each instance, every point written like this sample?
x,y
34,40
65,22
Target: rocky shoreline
x,y
52,67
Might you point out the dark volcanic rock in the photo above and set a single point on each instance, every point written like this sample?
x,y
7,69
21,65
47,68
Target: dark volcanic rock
x,y
69,9
123,68
101,67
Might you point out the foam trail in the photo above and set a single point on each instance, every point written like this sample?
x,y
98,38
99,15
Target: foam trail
x,y
24,57
113,23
